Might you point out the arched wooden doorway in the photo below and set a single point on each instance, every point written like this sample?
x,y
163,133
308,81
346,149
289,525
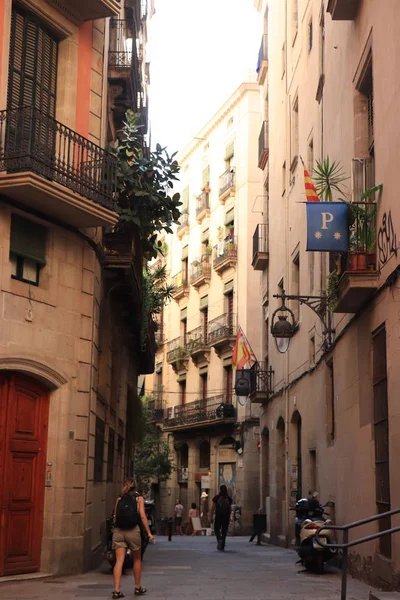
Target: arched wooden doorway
x,y
24,413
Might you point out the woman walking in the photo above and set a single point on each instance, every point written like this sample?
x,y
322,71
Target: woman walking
x,y
129,513
222,509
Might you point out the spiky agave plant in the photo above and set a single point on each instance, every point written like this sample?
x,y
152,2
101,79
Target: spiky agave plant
x,y
328,178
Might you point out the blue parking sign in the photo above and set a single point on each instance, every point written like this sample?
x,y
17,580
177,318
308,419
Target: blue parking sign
x,y
327,227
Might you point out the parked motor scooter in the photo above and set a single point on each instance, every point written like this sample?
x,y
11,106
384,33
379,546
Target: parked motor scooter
x,y
149,510
109,553
309,517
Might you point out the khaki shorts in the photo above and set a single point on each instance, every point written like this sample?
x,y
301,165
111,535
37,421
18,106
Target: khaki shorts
x,y
127,539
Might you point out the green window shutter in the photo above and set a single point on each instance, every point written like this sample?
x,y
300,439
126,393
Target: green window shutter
x,y
185,252
28,239
228,287
230,151
205,179
185,200
203,302
229,216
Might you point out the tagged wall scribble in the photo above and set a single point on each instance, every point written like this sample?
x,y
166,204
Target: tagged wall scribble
x,y
387,240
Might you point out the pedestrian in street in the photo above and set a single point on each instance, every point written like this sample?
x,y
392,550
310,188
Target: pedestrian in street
x,y
204,510
222,510
193,512
129,515
178,517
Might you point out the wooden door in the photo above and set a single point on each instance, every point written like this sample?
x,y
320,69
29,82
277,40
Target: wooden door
x,y
24,407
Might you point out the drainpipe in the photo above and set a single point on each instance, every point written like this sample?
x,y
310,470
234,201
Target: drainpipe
x,y
286,275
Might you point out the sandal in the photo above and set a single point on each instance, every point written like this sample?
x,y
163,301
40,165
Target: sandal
x,y
140,591
117,595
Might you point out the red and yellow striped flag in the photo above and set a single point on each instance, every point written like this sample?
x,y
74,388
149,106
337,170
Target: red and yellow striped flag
x,y
242,352
311,192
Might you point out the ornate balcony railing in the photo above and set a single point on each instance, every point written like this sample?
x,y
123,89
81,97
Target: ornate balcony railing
x,y
156,405
263,145
225,251
176,350
183,222
120,53
221,328
260,247
200,270
208,410
33,141
202,204
197,338
180,284
226,181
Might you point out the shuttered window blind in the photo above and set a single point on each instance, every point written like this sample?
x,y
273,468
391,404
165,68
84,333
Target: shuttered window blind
x,y
230,151
229,216
205,179
33,64
28,239
185,200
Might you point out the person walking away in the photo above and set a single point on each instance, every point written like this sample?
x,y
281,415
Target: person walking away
x,y
222,510
193,512
128,514
178,517
204,510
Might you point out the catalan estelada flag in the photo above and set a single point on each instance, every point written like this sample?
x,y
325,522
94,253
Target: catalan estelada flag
x,y
242,352
311,192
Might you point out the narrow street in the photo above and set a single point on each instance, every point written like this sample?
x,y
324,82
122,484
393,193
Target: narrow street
x,y
192,568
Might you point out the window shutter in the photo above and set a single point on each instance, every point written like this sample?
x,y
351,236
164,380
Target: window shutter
x,y
205,235
228,287
185,252
183,314
203,371
229,216
358,178
230,151
203,302
205,179
185,200
28,239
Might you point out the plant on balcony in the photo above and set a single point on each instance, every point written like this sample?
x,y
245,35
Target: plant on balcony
x,y
332,290
144,182
208,251
328,178
156,293
152,459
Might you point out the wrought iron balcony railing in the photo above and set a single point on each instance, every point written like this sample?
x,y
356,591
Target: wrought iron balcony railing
x,y
225,251
200,270
221,328
263,145
226,181
260,247
122,43
176,349
180,284
183,222
156,405
204,411
195,339
33,141
202,204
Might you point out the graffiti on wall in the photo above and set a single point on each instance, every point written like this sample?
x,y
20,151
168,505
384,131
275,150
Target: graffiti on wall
x,y
387,240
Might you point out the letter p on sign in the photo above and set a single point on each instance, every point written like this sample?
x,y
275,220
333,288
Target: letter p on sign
x,y
326,218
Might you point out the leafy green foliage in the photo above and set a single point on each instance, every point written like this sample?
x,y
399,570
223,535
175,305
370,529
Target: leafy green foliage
x,y
144,181
156,292
328,178
152,457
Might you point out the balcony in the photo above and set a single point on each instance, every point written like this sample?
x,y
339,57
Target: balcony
x,y
200,271
87,10
119,249
197,345
260,247
224,255
358,276
221,334
262,62
227,185
183,226
263,145
52,169
343,10
160,338
180,284
156,405
121,55
200,413
260,383
202,207
177,355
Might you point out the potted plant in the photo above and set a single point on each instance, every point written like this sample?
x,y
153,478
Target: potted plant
x,y
207,252
362,240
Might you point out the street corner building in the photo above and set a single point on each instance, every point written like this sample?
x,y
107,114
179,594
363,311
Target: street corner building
x,y
214,439
70,300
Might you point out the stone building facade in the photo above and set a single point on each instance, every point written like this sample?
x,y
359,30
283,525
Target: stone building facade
x,y
213,438
328,77
70,353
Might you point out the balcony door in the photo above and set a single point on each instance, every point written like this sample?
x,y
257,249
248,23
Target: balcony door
x,y
32,85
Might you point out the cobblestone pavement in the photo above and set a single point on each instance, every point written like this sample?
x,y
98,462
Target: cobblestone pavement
x,y
191,568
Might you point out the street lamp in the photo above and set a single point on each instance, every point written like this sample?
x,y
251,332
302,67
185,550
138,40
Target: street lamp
x,y
284,325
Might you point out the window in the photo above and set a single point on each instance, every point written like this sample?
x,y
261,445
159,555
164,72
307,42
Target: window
x,y
228,384
185,271
110,455
184,325
283,178
99,450
185,200
182,391
27,249
295,134
310,155
295,20
330,401
229,154
203,385
364,119
321,79
310,35
204,455
204,321
295,287
205,178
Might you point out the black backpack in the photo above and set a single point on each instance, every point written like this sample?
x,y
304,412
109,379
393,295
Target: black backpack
x,y
127,516
223,508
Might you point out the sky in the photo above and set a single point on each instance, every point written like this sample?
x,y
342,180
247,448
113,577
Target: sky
x,y
199,52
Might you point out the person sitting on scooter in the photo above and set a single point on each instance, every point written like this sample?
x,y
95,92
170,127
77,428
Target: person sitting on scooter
x,y
129,512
